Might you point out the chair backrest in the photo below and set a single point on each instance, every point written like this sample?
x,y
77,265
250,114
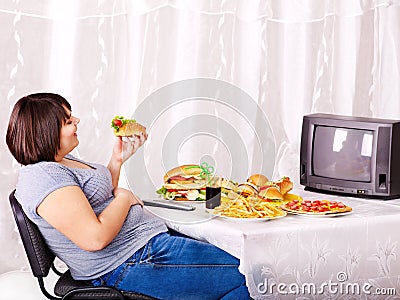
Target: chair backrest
x,y
39,255
41,261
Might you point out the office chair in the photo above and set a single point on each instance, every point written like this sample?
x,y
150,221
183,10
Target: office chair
x,y
41,260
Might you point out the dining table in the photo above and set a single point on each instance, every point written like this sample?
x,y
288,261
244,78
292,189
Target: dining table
x,y
348,256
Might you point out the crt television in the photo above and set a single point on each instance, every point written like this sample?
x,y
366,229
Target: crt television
x,y
355,156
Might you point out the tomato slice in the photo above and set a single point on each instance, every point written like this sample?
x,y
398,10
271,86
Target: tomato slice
x,y
117,122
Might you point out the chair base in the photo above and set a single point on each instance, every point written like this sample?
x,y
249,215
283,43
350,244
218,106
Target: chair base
x,y
69,288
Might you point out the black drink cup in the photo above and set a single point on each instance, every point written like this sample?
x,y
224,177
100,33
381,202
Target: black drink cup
x,y
213,197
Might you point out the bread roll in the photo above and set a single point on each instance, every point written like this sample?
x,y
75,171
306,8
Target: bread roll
x,y
285,185
184,186
247,189
126,127
183,170
258,179
130,128
271,192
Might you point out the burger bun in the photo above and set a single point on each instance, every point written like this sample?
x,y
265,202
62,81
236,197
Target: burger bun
x,y
258,179
130,129
271,192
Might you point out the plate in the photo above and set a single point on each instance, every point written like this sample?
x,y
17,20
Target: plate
x,y
187,201
244,220
316,215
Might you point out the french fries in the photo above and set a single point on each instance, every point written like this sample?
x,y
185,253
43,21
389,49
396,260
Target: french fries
x,y
250,207
253,199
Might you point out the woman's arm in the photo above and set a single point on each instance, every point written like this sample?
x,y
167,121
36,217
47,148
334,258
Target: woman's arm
x,y
115,163
122,150
68,210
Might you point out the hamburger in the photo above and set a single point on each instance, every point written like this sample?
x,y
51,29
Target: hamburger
x,y
266,189
271,192
126,127
258,179
184,183
285,185
276,190
247,189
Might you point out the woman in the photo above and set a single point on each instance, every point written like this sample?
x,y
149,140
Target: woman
x,y
100,230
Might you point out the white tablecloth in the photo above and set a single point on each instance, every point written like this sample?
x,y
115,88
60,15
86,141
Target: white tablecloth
x,y
356,256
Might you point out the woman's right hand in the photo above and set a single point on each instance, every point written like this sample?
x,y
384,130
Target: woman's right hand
x,y
118,191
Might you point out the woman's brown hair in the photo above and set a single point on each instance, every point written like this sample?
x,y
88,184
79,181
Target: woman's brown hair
x,y
33,132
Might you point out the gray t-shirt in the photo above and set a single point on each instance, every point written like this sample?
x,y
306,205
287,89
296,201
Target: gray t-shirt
x,y
37,181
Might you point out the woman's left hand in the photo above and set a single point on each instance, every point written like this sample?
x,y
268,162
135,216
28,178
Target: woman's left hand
x,y
125,147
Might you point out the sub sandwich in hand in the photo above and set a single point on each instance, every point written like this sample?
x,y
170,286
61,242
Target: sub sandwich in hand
x,y
126,127
183,183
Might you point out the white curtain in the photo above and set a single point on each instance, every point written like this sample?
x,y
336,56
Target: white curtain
x,y
283,58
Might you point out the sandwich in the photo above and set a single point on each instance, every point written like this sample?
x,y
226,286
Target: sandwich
x,y
285,185
229,189
276,190
247,189
184,183
271,192
126,127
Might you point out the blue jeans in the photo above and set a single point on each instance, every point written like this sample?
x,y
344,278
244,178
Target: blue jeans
x,y
177,267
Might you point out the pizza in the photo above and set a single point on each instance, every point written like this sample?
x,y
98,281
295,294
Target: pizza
x,y
316,207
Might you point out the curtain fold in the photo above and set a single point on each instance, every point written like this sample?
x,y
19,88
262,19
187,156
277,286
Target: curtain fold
x,y
109,57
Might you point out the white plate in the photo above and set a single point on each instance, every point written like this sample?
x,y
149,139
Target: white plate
x,y
244,220
187,201
318,215
161,198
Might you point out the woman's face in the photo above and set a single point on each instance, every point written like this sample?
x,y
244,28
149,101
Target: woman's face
x,y
68,136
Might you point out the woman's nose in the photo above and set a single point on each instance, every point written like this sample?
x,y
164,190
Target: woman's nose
x,y
76,120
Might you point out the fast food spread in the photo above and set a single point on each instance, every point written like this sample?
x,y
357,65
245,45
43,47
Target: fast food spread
x,y
316,207
256,198
126,127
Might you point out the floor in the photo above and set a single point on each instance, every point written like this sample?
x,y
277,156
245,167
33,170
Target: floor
x,y
17,285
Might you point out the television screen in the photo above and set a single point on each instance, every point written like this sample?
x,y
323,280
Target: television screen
x,y
350,155
342,153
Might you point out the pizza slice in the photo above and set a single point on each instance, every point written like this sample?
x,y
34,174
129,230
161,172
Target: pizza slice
x,y
316,207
